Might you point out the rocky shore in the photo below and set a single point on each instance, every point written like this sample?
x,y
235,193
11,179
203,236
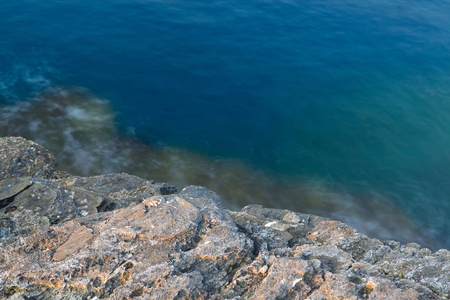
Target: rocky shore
x,y
118,236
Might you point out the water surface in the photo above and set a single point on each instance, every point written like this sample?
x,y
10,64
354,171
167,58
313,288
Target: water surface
x,y
340,108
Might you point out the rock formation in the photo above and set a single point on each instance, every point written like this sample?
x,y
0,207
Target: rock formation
x,y
118,236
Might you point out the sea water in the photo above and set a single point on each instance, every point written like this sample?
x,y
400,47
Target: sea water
x,y
339,108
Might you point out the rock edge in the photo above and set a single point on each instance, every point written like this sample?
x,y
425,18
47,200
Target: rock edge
x,y
118,236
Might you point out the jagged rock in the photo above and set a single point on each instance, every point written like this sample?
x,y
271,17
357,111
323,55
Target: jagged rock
x,y
33,195
165,246
118,236
411,262
53,201
341,263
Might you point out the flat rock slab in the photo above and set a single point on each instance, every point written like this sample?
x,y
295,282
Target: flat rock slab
x,y
10,187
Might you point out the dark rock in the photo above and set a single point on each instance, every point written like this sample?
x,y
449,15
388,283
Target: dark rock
x,y
34,204
167,189
10,187
22,158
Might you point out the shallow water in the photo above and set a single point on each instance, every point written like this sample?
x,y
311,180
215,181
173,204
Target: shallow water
x,y
340,108
80,129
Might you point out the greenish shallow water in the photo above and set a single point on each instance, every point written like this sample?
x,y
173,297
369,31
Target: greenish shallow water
x,y
80,129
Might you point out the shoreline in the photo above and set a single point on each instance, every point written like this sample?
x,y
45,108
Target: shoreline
x,y
118,235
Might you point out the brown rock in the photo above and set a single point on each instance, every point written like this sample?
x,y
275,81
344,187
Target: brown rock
x,y
335,286
80,237
380,289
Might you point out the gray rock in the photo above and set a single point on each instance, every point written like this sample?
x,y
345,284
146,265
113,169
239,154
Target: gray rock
x,y
10,187
411,262
167,246
331,258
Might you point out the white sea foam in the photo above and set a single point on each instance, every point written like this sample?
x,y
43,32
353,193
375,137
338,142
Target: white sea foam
x,y
33,77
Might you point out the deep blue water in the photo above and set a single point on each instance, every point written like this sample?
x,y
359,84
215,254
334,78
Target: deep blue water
x,y
352,95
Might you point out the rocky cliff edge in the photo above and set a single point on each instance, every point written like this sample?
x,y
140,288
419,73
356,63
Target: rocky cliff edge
x,y
118,236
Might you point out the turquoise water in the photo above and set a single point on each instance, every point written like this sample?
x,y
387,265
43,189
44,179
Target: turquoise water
x,y
340,108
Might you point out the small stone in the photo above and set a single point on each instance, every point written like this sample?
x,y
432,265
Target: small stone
x,y
291,217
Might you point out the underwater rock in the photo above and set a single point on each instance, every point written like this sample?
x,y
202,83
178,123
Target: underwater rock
x,y
118,236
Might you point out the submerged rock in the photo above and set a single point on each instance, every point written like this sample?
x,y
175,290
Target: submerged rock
x,y
118,236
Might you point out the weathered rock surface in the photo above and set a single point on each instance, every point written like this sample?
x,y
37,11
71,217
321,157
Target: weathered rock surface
x,y
19,157
118,236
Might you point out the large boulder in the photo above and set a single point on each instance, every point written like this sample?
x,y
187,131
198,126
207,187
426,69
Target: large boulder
x,y
164,247
21,157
